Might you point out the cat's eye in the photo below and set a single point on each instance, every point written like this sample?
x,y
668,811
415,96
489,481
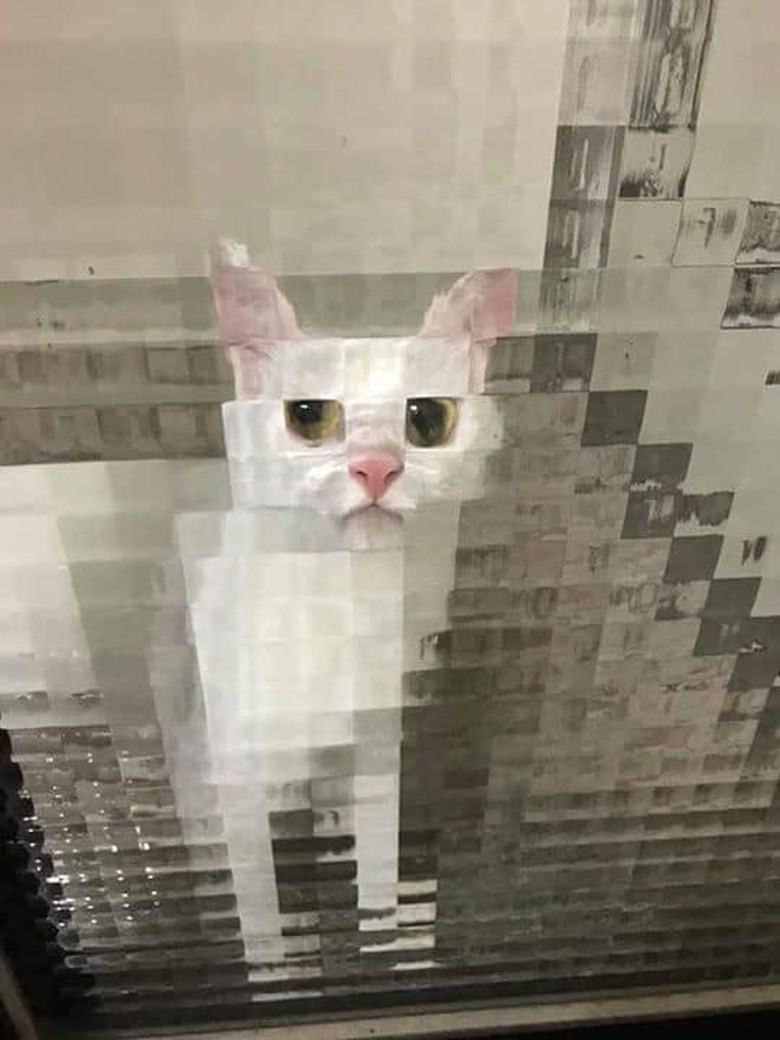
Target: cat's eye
x,y
430,420
314,421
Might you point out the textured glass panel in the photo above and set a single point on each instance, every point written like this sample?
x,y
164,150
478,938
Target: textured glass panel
x,y
515,730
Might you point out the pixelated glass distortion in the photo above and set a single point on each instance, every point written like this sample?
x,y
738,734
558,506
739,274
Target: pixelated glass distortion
x,y
389,525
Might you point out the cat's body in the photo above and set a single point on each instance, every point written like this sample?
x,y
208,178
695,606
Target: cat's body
x,y
313,595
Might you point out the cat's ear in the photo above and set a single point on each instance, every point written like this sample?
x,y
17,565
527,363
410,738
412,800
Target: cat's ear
x,y
252,314
480,305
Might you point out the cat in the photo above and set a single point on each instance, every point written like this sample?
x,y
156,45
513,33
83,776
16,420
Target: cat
x,y
348,461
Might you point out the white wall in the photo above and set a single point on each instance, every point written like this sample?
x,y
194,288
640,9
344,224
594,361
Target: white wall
x,y
352,135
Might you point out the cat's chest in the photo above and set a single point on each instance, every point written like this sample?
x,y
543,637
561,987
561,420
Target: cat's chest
x,y
302,631
313,625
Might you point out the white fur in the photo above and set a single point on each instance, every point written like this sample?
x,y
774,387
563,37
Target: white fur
x,y
273,467
302,642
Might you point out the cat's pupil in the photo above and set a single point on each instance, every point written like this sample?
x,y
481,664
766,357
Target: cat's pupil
x,y
428,417
307,413
314,420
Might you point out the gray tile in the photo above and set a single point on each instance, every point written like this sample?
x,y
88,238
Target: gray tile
x,y
650,514
693,558
613,417
709,510
661,466
761,239
510,363
562,363
731,598
754,299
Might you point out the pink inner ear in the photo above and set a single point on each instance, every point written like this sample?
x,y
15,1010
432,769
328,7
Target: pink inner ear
x,y
250,308
480,305
494,313
252,315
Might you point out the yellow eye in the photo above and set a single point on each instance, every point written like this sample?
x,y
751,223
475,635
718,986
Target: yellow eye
x,y
430,420
314,421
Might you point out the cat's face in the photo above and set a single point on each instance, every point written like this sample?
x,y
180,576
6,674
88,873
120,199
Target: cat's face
x,y
362,429
348,425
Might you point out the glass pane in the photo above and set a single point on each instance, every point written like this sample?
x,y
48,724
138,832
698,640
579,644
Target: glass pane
x,y
390,584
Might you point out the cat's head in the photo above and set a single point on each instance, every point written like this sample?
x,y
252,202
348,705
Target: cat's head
x,y
349,425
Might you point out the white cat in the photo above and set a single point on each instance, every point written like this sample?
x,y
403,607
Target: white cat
x,y
348,461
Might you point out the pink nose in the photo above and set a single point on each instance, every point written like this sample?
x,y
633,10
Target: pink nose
x,y
375,472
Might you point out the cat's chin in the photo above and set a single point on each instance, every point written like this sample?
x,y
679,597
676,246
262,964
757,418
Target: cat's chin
x,y
373,527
